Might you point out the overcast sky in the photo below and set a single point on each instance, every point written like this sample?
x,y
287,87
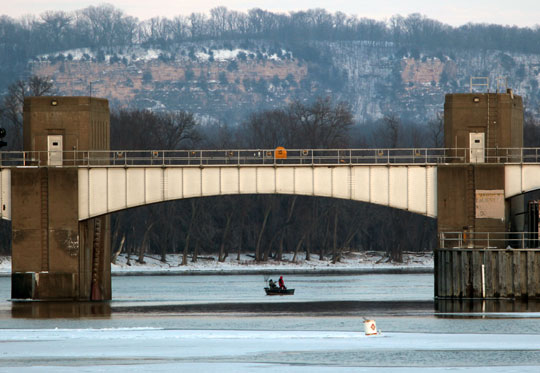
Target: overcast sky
x,y
453,12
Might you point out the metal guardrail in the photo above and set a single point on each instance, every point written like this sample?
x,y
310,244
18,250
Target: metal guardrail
x,y
237,157
489,240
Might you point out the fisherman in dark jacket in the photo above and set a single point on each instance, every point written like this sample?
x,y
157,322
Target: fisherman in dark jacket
x,y
282,283
272,284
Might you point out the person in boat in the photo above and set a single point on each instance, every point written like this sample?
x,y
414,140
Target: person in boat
x,y
272,284
282,283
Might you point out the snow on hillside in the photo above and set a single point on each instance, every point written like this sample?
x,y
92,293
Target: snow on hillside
x,y
140,54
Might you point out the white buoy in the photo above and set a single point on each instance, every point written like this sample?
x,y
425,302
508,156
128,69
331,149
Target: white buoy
x,y
370,328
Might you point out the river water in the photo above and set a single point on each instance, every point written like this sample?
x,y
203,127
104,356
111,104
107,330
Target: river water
x,y
227,324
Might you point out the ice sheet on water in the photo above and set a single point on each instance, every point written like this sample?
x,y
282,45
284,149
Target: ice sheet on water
x,y
310,339
233,367
146,349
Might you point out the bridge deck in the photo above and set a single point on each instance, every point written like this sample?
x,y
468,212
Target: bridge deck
x,y
401,178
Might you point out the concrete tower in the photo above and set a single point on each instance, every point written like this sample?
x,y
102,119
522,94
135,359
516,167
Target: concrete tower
x,y
54,255
479,129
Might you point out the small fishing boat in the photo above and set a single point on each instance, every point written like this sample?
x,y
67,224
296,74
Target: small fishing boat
x,y
278,291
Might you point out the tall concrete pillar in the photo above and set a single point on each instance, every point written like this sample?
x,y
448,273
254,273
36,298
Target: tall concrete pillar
x,y
54,255
479,130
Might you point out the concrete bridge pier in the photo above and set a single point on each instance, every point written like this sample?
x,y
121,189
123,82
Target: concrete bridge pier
x,y
95,259
477,257
54,255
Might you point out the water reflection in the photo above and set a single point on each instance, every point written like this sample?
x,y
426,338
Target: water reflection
x,y
324,308
479,306
324,296
444,308
52,310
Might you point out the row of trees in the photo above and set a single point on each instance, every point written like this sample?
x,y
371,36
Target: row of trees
x,y
105,26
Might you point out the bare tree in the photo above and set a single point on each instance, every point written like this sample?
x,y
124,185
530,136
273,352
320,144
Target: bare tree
x,y
145,243
436,130
266,129
175,129
267,211
198,25
194,212
179,28
286,224
149,130
531,130
107,26
12,110
335,255
392,127
218,21
321,125
225,236
156,31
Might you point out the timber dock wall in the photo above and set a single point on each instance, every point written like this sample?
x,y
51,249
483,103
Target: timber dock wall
x,y
508,273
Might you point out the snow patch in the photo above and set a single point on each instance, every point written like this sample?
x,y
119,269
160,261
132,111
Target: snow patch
x,y
349,261
139,54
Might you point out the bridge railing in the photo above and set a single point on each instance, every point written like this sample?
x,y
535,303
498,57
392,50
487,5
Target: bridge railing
x,y
126,158
488,240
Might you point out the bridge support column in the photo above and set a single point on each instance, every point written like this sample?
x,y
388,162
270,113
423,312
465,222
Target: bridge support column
x,y
54,257
95,263
470,200
478,262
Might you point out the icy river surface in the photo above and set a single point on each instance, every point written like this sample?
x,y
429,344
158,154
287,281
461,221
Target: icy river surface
x,y
227,324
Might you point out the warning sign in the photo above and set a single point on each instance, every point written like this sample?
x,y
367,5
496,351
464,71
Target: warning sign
x,y
490,204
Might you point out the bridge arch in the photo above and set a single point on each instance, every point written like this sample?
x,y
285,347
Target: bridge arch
x,y
107,189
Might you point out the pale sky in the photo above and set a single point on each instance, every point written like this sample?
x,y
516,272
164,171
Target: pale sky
x,y
454,12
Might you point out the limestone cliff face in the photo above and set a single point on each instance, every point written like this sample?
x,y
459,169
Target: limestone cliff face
x,y
382,79
226,83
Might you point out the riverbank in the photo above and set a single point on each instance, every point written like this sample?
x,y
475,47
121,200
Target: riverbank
x,y
351,263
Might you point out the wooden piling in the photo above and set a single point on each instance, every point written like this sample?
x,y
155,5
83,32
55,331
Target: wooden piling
x,y
511,273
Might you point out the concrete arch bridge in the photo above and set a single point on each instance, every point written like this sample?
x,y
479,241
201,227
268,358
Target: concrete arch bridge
x,y
69,199
109,181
